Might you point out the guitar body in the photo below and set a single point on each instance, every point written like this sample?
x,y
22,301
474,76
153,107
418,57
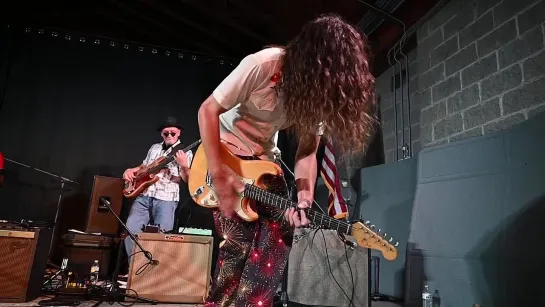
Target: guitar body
x,y
264,174
137,187
146,177
264,185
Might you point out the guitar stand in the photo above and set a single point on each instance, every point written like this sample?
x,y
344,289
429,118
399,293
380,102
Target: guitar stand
x,y
114,292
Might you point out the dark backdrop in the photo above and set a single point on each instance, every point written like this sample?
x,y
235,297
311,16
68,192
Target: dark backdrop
x,y
80,109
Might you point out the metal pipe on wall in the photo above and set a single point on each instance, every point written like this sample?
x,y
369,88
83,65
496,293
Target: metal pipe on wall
x,y
395,103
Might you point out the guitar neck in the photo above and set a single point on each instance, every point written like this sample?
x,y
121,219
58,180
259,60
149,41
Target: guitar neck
x,y
170,157
317,218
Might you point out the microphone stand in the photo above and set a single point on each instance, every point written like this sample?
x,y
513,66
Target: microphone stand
x,y
114,290
63,180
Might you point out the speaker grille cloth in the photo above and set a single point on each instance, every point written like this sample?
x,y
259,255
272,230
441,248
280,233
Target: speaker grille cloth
x,y
310,280
183,269
16,258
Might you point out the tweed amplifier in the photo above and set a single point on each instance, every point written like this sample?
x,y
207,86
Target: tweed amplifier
x,y
182,274
23,260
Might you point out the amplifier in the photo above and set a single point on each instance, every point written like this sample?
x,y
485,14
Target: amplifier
x,y
323,271
23,260
99,218
82,250
182,274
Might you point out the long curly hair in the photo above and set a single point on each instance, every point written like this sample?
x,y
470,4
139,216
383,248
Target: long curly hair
x,y
326,79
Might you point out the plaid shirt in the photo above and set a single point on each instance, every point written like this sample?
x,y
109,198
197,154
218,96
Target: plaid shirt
x,y
165,189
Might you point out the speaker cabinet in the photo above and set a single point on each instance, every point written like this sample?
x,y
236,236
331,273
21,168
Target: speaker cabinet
x,y
99,218
82,250
23,260
323,271
182,274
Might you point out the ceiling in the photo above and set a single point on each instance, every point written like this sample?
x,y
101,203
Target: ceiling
x,y
231,28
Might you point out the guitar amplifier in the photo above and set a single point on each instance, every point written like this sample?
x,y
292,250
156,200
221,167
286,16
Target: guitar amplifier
x,y
23,260
82,250
99,218
323,271
182,274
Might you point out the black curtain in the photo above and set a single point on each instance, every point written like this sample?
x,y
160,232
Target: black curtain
x,y
80,109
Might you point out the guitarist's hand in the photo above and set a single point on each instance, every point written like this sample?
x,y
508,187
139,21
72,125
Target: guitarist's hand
x,y
181,159
226,186
129,173
292,215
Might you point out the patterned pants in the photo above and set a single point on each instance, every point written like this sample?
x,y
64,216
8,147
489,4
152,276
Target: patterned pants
x,y
251,261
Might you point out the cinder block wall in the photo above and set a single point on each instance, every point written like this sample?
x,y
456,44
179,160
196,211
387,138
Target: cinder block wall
x,y
479,67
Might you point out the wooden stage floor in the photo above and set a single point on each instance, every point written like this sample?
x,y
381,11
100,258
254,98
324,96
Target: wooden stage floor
x,y
105,304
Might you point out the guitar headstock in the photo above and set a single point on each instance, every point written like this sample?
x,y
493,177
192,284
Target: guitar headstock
x,y
367,237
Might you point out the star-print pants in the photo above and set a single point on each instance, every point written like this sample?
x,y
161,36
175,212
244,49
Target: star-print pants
x,y
251,261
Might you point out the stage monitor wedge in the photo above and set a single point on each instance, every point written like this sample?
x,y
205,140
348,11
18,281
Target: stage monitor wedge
x,y
99,218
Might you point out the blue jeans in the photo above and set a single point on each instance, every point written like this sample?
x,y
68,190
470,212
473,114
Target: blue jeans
x,y
144,209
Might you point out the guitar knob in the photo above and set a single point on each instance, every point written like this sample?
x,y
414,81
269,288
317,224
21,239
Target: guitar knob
x,y
397,243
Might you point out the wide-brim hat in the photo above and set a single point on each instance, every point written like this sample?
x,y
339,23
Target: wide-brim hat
x,y
170,122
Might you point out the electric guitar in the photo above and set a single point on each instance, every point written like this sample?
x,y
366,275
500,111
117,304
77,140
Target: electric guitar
x,y
264,183
146,176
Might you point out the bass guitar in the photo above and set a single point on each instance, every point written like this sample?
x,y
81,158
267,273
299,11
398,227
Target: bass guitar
x,y
261,179
146,176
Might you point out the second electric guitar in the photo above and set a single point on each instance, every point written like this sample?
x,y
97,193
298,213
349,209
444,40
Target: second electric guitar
x,y
146,176
262,177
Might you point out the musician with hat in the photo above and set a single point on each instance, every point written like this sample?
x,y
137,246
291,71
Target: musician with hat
x,y
160,200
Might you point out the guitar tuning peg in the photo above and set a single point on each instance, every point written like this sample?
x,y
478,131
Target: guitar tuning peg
x,y
391,239
385,235
367,222
372,226
379,230
397,243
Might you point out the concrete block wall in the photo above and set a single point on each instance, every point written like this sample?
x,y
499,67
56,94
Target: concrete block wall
x,y
479,67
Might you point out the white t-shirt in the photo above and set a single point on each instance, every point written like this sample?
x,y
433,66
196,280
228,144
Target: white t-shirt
x,y
255,106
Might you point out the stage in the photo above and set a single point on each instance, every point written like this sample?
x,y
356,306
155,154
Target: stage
x,y
94,303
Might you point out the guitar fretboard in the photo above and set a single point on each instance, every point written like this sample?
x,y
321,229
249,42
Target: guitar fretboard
x,y
170,157
317,218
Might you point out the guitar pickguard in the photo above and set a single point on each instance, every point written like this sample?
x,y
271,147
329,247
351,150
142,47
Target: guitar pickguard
x,y
210,199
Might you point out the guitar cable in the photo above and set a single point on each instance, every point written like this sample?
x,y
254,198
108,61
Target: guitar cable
x,y
350,299
188,216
